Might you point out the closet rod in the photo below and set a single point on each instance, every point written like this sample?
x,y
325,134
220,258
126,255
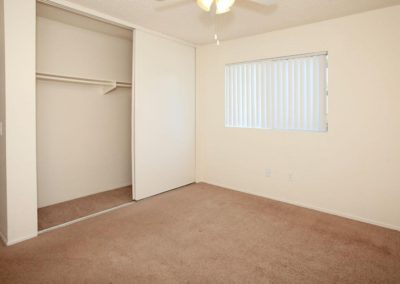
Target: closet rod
x,y
80,80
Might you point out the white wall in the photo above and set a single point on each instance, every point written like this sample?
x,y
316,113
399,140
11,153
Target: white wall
x,y
70,50
3,182
353,169
84,137
20,132
164,114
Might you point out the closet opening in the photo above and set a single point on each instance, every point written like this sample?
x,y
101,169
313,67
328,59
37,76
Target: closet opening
x,y
84,116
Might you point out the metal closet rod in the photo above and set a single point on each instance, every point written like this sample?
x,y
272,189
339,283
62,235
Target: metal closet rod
x,y
80,80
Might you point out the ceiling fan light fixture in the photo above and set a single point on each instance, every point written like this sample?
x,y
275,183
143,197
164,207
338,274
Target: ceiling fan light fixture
x,y
205,4
224,6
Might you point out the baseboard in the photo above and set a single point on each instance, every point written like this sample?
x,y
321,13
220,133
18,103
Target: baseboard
x,y
3,238
324,210
15,241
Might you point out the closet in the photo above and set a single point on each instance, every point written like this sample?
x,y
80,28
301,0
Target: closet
x,y
84,111
115,110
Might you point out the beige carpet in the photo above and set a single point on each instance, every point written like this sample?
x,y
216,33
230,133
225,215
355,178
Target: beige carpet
x,y
205,234
60,213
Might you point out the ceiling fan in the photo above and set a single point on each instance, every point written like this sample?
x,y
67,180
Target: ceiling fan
x,y
221,6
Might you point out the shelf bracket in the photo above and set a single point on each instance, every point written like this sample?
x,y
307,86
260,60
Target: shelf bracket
x,y
110,88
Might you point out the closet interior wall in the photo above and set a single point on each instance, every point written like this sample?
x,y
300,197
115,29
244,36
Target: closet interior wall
x,y
83,134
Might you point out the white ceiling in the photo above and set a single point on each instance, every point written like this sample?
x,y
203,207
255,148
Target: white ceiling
x,y
186,21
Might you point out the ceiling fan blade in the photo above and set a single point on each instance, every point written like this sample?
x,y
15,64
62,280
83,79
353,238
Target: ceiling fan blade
x,y
264,2
169,4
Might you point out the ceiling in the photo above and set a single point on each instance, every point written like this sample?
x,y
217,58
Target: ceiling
x,y
184,20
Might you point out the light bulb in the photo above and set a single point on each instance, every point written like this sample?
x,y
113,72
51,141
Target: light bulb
x,y
224,6
205,4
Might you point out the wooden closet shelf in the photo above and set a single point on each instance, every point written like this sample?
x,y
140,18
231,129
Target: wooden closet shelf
x,y
108,85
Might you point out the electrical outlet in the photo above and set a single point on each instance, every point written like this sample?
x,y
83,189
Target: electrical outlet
x,y
268,173
291,177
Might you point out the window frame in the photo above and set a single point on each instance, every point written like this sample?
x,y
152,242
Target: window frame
x,y
281,58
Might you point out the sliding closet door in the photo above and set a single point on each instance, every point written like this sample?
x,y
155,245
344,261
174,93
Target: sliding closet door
x,y
164,115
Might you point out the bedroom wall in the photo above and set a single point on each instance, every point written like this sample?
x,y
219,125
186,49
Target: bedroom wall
x,y
20,132
352,170
83,136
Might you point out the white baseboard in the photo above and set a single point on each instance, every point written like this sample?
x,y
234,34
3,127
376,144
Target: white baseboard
x,y
324,210
3,238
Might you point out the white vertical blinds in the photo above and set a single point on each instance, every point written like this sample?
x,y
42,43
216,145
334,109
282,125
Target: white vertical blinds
x,y
284,93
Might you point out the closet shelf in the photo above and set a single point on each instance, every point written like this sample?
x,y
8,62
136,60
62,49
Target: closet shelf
x,y
109,86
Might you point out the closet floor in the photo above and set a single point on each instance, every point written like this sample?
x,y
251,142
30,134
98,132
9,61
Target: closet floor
x,y
60,213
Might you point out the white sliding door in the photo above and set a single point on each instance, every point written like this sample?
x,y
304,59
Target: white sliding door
x,y
164,139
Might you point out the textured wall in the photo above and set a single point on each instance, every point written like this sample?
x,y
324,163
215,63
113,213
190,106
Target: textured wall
x,y
351,170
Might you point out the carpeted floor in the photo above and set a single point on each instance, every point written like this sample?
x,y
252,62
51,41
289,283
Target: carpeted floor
x,y
205,234
60,213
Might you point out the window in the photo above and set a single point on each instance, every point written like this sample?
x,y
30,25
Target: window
x,y
283,93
